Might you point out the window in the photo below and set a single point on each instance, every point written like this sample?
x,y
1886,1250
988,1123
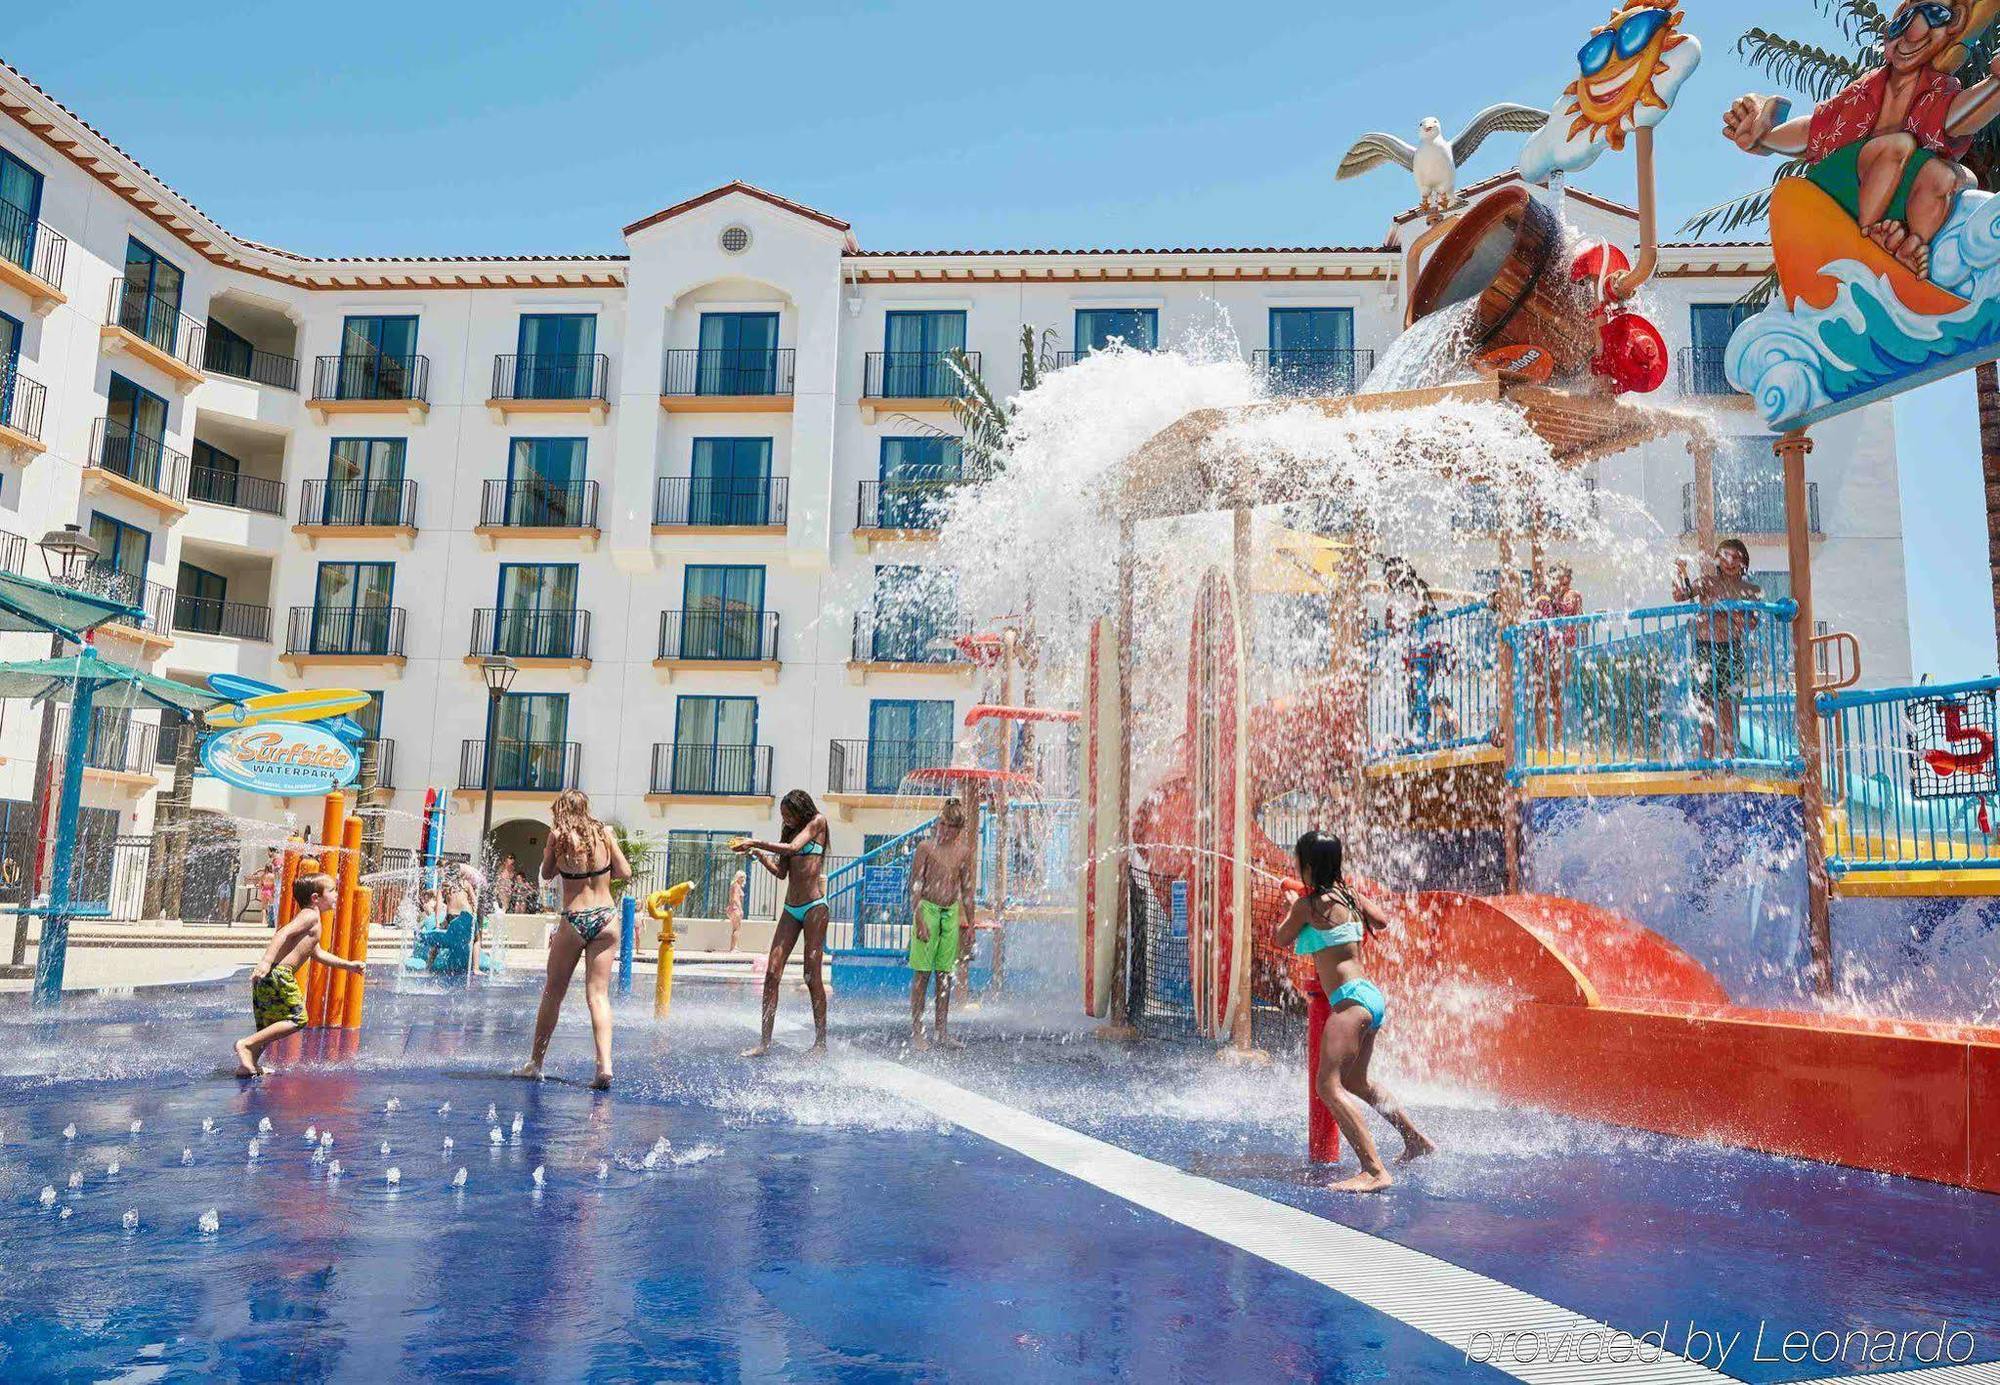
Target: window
x,y
10,362
122,548
715,745
537,611
556,356
722,613
150,307
531,742
369,718
378,358
1097,328
1312,351
364,482
914,351
20,209
904,736
705,858
545,483
228,351
731,482
214,475
135,430
199,596
739,354
352,605
915,615
916,475
1710,327
1749,487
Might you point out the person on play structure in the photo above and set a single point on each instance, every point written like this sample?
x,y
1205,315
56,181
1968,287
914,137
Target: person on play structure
x,y
941,897
276,1001
1328,924
1888,147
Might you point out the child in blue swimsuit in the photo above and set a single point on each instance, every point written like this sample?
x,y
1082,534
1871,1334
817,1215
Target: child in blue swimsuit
x,y
1329,924
800,861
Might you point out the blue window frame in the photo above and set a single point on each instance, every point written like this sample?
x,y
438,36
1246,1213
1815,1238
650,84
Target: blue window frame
x,y
135,431
10,362
227,351
214,475
739,354
530,742
731,482
536,611
351,608
904,736
914,350
1710,327
1312,351
378,358
715,745
722,612
199,596
121,548
556,356
364,481
915,615
545,482
151,305
1096,328
916,474
20,210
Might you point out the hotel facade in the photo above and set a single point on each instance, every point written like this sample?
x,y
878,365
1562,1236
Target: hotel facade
x,y
672,483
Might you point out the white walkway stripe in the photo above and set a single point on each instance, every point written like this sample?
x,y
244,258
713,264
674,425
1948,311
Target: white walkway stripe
x,y
1431,1295
1978,1373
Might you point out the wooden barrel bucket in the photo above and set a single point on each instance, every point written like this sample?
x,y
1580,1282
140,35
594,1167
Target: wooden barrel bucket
x,y
1507,253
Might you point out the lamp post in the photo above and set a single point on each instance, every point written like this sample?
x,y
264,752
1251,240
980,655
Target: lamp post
x,y
499,671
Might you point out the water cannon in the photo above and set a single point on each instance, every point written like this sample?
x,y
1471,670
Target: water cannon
x,y
1632,353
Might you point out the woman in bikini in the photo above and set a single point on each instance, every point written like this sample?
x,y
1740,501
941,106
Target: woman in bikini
x,y
585,854
800,861
1328,925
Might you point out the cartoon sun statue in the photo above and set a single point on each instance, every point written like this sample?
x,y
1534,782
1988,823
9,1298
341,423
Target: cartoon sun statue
x,y
1628,75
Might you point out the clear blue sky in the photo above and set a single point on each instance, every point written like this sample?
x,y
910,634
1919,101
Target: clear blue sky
x,y
439,126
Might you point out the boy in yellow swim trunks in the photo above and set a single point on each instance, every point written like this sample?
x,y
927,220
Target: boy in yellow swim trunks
x,y
941,894
275,998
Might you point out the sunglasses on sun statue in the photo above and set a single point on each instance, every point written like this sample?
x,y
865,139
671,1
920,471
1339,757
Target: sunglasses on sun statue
x,y
1935,16
1627,41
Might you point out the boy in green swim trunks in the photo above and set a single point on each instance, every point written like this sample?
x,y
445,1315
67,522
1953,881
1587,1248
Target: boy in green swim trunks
x,y
275,998
941,895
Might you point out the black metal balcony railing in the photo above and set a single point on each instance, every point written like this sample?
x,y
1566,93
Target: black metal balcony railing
x,y
378,756
215,486
13,553
241,361
538,505
143,460
1070,358
1756,507
358,504
366,631
1481,514
31,244
1703,371
372,376
726,503
1317,374
913,636
22,403
915,374
880,767
913,506
722,771
158,323
739,371
552,377
521,766
115,743
232,620
530,634
720,636
154,601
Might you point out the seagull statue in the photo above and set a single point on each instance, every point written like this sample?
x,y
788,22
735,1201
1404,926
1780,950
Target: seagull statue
x,y
1435,162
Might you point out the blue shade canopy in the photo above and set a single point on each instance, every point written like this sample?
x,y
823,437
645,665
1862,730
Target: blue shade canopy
x,y
117,685
30,605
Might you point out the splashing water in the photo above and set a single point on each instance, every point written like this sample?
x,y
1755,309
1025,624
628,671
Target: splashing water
x,y
75,1181
538,1176
48,1197
210,1222
448,1143
312,1134
391,1106
208,1125
458,1179
187,1157
67,1213
263,1125
254,1150
334,1170
69,1132
326,1139
138,1126
445,1109
383,1149
130,1221
111,1169
393,1177
516,1127
492,1113
603,1170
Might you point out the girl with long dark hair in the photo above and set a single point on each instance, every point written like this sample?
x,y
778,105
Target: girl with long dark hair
x,y
800,861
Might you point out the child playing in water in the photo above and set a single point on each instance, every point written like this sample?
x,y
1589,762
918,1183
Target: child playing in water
x,y
275,998
1328,924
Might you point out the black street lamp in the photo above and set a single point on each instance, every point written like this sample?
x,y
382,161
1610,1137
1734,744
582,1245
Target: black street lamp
x,y
499,671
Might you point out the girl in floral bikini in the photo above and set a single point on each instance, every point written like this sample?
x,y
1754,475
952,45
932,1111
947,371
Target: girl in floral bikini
x,y
586,855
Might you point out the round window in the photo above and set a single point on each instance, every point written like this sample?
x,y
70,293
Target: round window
x,y
735,240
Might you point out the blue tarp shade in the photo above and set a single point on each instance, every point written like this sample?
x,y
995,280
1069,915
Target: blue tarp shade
x,y
29,605
117,685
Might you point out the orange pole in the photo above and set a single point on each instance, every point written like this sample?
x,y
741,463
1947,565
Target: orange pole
x,y
357,985
313,978
329,828
341,943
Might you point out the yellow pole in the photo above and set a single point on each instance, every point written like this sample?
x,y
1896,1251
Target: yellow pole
x,y
661,905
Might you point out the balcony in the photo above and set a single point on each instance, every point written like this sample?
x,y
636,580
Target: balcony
x,y
532,638
228,620
22,404
729,380
1313,374
13,553
901,511
345,637
871,773
242,362
718,642
118,751
357,510
232,490
371,384
137,467
710,773
378,764
907,641
31,258
550,385
1754,509
1481,514
154,601
538,510
149,329
913,381
520,767
1704,375
683,504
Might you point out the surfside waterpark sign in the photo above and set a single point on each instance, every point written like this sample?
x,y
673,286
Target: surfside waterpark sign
x,y
1888,258
265,742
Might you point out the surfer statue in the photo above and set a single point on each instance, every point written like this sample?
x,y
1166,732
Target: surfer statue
x,y
1887,147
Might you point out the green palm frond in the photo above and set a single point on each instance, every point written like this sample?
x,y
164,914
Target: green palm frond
x,y
1861,21
982,418
1807,68
1749,209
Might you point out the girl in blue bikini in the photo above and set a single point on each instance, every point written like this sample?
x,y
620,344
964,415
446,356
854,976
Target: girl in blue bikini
x,y
800,861
1328,925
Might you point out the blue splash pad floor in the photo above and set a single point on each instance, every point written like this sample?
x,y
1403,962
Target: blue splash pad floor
x,y
805,1225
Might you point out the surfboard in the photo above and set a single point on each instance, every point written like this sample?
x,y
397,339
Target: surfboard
x,y
1104,817
1810,231
303,705
1216,753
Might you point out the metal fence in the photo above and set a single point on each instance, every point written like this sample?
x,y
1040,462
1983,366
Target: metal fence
x,y
1911,778
359,504
913,505
31,244
551,377
1750,507
725,502
537,504
372,376
234,620
879,766
232,356
22,403
738,371
720,636
1435,684
913,633
520,766
530,634
1703,371
712,771
218,486
140,458
916,374
158,322
346,630
1160,999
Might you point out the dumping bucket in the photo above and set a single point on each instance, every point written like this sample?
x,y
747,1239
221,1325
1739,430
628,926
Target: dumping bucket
x,y
1507,254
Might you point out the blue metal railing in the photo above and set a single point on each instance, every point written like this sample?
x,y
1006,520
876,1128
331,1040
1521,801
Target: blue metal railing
x,y
1434,685
1911,778
869,897
1688,687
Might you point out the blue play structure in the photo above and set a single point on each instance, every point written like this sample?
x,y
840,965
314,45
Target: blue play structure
x,y
445,951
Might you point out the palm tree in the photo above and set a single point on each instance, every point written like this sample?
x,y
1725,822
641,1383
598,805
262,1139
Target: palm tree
x,y
1816,73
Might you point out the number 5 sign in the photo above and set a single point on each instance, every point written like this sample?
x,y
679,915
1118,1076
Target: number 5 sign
x,y
1952,742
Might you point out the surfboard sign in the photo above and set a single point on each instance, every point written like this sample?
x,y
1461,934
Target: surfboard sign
x,y
279,760
254,703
